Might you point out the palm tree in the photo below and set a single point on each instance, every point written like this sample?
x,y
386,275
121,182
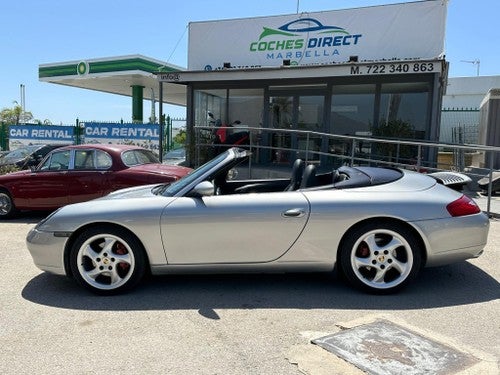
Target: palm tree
x,y
15,115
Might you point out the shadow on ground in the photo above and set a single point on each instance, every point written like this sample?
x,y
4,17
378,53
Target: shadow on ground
x,y
458,284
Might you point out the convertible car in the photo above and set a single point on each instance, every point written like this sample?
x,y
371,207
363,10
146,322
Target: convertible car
x,y
378,226
79,173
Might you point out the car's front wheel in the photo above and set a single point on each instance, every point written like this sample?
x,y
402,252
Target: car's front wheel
x,y
380,258
7,207
107,260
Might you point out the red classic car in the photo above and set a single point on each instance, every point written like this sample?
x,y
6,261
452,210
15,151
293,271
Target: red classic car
x,y
79,173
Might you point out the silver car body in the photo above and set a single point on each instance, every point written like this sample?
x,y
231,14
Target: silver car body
x,y
263,232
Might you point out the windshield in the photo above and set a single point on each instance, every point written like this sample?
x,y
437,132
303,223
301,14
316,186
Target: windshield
x,y
21,152
173,189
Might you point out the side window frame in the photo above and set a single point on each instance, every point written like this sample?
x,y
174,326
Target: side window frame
x,y
50,161
100,157
88,160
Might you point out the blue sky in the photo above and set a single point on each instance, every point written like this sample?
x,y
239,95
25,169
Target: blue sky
x,y
34,32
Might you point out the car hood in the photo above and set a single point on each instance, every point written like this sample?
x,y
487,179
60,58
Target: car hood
x,y
163,169
126,207
142,191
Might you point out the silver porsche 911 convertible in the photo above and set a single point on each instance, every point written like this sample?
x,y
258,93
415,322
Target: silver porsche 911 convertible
x,y
377,226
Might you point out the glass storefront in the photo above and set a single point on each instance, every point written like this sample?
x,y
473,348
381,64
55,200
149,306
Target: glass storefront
x,y
405,105
380,107
302,112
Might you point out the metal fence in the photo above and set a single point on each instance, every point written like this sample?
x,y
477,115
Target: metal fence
x,y
4,137
459,125
476,161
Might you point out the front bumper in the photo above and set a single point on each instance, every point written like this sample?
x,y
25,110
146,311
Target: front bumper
x,y
47,251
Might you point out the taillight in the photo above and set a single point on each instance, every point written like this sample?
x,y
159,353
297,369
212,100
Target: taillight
x,y
463,206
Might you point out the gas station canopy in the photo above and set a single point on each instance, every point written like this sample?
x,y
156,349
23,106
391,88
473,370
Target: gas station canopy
x,y
116,75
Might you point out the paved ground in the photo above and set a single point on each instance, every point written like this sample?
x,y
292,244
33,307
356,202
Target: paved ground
x,y
229,324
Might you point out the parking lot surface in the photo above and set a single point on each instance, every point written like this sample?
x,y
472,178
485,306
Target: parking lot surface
x,y
230,324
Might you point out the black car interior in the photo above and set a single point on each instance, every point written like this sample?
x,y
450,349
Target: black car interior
x,y
306,177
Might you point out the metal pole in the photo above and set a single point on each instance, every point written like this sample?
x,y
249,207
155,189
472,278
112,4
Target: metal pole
x,y
490,184
307,148
160,109
250,158
23,104
169,140
353,151
419,157
170,135
153,105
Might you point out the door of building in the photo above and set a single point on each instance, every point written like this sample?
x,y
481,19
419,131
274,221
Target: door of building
x,y
296,109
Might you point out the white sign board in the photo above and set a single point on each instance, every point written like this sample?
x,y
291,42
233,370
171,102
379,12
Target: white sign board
x,y
391,32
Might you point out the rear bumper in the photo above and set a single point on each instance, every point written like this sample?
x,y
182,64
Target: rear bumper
x,y
454,239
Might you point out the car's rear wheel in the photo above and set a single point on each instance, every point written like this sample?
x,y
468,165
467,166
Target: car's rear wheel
x,y
107,260
380,258
7,207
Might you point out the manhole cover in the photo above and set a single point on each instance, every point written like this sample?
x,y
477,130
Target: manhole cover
x,y
385,348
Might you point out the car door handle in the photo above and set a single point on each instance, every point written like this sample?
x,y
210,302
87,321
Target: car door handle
x,y
294,212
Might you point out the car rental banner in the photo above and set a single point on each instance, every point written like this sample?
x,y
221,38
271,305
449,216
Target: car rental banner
x,y
144,135
24,135
398,31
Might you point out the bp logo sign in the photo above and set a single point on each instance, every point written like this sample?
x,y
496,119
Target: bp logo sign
x,y
82,68
303,38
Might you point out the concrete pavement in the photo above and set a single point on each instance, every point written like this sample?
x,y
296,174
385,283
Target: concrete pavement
x,y
244,324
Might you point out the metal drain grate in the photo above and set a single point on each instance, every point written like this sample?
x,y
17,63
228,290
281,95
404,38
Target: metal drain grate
x,y
384,348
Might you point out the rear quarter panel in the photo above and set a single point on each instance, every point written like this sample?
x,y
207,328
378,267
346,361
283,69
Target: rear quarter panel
x,y
412,200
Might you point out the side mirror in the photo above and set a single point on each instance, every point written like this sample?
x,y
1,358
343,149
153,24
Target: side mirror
x,y
203,189
232,174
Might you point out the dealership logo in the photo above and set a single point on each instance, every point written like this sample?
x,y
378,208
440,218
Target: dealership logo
x,y
303,38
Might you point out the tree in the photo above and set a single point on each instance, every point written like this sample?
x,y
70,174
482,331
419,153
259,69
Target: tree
x,y
15,115
180,138
395,129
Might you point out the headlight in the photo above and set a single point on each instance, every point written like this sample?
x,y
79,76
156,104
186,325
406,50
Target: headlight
x,y
43,221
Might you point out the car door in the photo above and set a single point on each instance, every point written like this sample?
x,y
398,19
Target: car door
x,y
89,176
240,228
47,187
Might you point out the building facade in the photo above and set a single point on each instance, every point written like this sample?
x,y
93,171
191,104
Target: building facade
x,y
359,72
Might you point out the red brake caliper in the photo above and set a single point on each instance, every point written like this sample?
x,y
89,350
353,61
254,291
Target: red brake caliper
x,y
363,251
122,250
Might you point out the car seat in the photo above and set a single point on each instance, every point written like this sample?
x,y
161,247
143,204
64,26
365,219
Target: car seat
x,y
296,176
309,178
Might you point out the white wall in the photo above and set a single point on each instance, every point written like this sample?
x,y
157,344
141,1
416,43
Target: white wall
x,y
468,92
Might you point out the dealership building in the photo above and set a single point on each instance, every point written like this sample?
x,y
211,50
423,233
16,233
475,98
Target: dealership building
x,y
345,72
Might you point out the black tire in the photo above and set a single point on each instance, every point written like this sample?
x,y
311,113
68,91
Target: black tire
x,y
107,260
7,208
380,258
